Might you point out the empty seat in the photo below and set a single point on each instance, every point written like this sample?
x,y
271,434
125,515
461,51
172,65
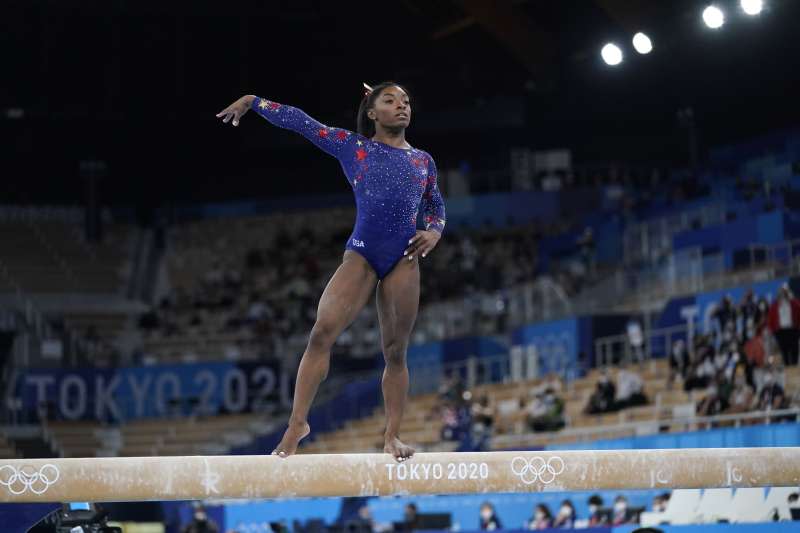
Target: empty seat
x,y
748,505
681,507
715,506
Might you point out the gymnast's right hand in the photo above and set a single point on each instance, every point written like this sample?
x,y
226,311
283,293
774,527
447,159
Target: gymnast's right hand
x,y
237,109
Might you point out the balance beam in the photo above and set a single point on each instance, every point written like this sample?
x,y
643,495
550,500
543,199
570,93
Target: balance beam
x,y
259,477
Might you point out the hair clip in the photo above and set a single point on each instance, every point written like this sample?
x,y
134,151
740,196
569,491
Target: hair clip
x,y
368,88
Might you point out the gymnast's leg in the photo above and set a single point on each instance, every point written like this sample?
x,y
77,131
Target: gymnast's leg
x,y
343,298
398,301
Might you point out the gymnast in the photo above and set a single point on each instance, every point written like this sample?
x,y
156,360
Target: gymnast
x,y
390,179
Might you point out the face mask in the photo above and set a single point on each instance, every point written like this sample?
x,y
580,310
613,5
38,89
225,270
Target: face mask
x,y
592,509
200,517
539,515
620,507
740,381
565,511
486,515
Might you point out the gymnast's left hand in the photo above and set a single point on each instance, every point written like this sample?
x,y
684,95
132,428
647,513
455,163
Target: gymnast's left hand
x,y
422,243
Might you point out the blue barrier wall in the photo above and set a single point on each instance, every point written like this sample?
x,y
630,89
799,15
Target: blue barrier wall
x,y
700,307
772,435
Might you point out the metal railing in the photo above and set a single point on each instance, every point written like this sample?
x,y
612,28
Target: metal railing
x,y
617,348
649,240
645,427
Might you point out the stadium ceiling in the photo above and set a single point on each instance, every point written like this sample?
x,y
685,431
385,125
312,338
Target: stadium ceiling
x,y
527,28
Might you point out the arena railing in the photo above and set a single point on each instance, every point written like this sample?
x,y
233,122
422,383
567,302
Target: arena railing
x,y
650,427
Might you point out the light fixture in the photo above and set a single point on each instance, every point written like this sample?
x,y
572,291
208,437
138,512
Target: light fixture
x,y
752,7
611,54
642,43
713,17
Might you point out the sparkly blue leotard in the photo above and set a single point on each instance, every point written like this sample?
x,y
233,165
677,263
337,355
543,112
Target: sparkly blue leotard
x,y
389,184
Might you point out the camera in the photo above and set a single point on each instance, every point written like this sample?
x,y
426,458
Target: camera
x,y
80,517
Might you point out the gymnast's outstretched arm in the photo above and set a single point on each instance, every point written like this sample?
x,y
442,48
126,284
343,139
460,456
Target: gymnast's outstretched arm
x,y
330,140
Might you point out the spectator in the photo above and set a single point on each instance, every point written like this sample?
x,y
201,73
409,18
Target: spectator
x,y
772,396
678,361
201,523
742,395
489,519
713,403
482,414
630,390
450,422
754,350
794,505
602,399
565,519
620,515
750,315
363,523
635,340
596,515
660,502
546,412
701,371
452,388
410,517
541,519
724,316
784,323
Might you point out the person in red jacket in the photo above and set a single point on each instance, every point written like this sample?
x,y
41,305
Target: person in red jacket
x,y
784,323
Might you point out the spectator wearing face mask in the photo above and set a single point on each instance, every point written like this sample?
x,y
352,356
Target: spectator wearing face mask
x,y
660,502
489,519
784,323
630,390
635,340
772,396
565,519
541,519
620,515
596,517
201,523
742,395
701,372
714,401
602,399
546,412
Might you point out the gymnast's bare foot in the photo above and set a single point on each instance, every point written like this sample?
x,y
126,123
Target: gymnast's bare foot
x,y
400,451
296,432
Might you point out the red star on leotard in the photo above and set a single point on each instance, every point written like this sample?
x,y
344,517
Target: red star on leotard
x,y
361,154
274,105
323,133
341,135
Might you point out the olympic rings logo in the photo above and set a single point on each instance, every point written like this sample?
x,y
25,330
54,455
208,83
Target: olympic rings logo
x,y
537,469
27,478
